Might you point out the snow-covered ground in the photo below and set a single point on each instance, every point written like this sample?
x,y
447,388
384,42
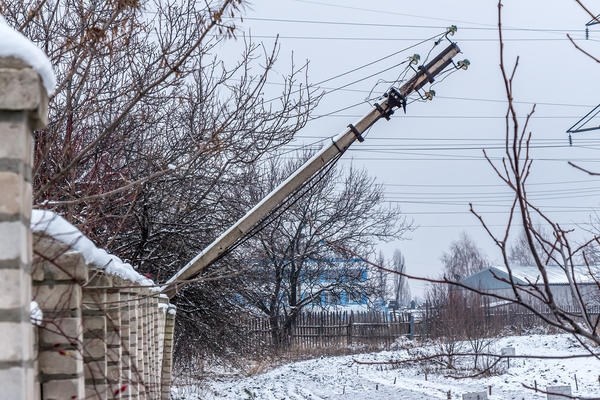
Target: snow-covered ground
x,y
342,378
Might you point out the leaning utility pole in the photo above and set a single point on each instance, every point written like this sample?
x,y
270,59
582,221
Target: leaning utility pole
x,y
394,98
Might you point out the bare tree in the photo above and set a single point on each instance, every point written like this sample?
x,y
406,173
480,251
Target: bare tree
x,y
520,254
463,258
303,255
400,287
381,282
581,282
150,130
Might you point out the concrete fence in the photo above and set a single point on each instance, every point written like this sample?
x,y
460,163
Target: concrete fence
x,y
99,330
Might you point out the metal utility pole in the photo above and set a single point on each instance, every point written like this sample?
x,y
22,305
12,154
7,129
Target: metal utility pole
x,y
394,98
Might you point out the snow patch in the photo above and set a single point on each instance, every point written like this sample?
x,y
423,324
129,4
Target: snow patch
x,y
13,43
341,378
54,225
36,316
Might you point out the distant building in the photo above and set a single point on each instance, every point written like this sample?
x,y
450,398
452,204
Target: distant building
x,y
349,281
528,281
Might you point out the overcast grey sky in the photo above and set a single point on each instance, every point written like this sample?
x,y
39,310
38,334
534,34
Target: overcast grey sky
x,y
430,160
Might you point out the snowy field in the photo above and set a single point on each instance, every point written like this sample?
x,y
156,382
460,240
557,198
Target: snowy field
x,y
342,378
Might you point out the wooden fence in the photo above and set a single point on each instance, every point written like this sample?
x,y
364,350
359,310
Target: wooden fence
x,y
336,330
326,332
519,318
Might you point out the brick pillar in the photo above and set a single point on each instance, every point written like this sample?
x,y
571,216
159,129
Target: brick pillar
x,y
141,340
113,340
126,316
145,354
154,370
163,305
23,108
58,274
167,361
133,345
95,337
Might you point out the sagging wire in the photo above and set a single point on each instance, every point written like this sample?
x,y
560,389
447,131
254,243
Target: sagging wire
x,y
410,62
415,62
401,77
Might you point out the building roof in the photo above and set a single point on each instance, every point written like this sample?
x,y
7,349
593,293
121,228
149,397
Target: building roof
x,y
491,278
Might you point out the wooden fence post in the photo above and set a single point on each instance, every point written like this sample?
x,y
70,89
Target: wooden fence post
x,y
349,329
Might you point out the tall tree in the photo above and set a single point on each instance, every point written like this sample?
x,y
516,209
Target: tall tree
x,y
307,252
463,258
401,290
149,130
514,171
381,281
520,253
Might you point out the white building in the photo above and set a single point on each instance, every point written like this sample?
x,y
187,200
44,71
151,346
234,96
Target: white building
x,y
530,285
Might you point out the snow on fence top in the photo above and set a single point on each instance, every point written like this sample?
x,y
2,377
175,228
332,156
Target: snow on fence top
x,y
51,224
13,43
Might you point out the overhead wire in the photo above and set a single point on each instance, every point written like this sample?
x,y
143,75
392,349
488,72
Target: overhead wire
x,y
389,12
566,193
477,99
415,26
412,39
457,185
333,114
362,66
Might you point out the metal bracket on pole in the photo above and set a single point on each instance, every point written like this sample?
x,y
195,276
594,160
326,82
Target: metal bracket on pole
x,y
396,99
427,73
356,133
385,114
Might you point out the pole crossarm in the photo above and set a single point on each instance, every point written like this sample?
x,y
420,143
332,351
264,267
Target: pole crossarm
x,y
394,98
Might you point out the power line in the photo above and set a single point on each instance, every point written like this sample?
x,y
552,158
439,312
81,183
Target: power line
x,y
489,225
478,99
588,140
394,149
390,39
388,12
496,198
456,157
486,185
362,66
594,189
368,24
507,211
333,114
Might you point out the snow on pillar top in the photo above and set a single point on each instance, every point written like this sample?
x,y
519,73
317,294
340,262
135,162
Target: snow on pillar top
x,y
14,44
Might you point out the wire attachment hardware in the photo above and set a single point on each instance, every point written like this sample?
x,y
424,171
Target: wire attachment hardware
x,y
463,64
395,99
356,133
429,95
